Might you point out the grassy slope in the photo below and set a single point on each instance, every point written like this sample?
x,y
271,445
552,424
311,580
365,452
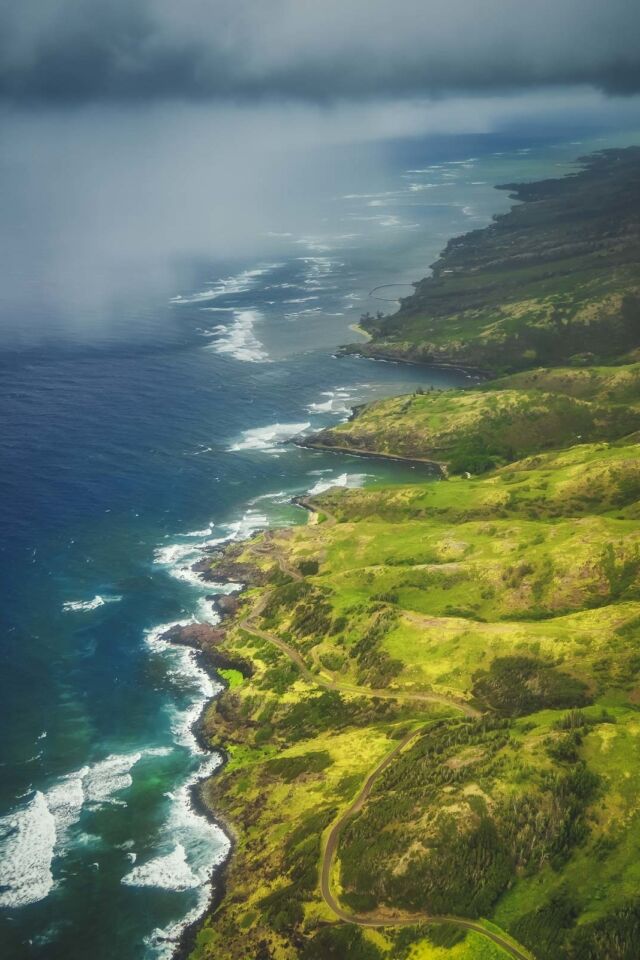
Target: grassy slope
x,y
475,430
516,591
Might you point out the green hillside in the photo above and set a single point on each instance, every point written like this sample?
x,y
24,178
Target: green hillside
x,y
433,728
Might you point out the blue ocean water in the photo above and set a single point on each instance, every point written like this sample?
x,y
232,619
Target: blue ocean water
x,y
125,458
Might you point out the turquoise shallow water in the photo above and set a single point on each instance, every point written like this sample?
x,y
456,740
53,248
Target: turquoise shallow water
x,y
123,461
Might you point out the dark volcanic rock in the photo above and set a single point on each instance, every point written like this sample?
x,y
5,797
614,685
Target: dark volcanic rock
x,y
207,639
226,604
229,571
198,635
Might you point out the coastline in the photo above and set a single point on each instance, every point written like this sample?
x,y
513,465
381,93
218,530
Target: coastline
x,y
431,465
356,328
211,659
299,566
377,354
211,662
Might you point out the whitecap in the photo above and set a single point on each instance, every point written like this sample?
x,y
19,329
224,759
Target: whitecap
x,y
185,668
27,840
175,552
162,941
325,406
169,872
85,605
268,439
207,531
239,339
65,801
350,480
240,283
30,837
278,496
108,777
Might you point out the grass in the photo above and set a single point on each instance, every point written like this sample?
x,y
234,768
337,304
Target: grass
x,y
233,677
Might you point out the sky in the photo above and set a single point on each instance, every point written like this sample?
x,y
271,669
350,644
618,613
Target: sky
x,y
137,134
72,51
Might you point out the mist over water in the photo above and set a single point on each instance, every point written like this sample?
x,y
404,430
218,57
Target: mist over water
x,y
173,295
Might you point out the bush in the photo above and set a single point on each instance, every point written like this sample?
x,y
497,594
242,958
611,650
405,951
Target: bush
x,y
340,943
290,768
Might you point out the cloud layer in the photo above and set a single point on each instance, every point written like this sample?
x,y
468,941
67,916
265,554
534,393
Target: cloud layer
x,y
74,51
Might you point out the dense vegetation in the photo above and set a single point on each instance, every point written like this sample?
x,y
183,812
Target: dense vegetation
x,y
487,623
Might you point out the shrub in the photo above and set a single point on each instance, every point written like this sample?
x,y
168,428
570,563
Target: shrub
x,y
338,943
290,768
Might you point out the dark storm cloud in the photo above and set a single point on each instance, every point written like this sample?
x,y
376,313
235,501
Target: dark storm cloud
x,y
70,51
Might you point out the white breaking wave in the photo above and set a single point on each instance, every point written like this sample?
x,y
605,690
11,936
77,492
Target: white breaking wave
x,y
350,480
185,666
278,496
84,605
65,801
240,283
28,837
108,777
171,872
31,837
207,847
268,439
339,402
205,532
199,844
239,339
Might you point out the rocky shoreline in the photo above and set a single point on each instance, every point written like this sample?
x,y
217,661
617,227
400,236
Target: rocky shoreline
x,y
430,465
206,639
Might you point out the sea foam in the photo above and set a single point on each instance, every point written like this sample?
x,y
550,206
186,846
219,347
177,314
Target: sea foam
x,y
239,339
268,439
27,840
85,605
240,283
169,872
350,480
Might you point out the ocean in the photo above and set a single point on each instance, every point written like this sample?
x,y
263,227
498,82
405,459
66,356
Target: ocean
x,y
125,458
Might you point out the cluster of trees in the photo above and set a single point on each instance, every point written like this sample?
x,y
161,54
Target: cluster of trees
x,y
290,768
376,668
410,849
517,685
